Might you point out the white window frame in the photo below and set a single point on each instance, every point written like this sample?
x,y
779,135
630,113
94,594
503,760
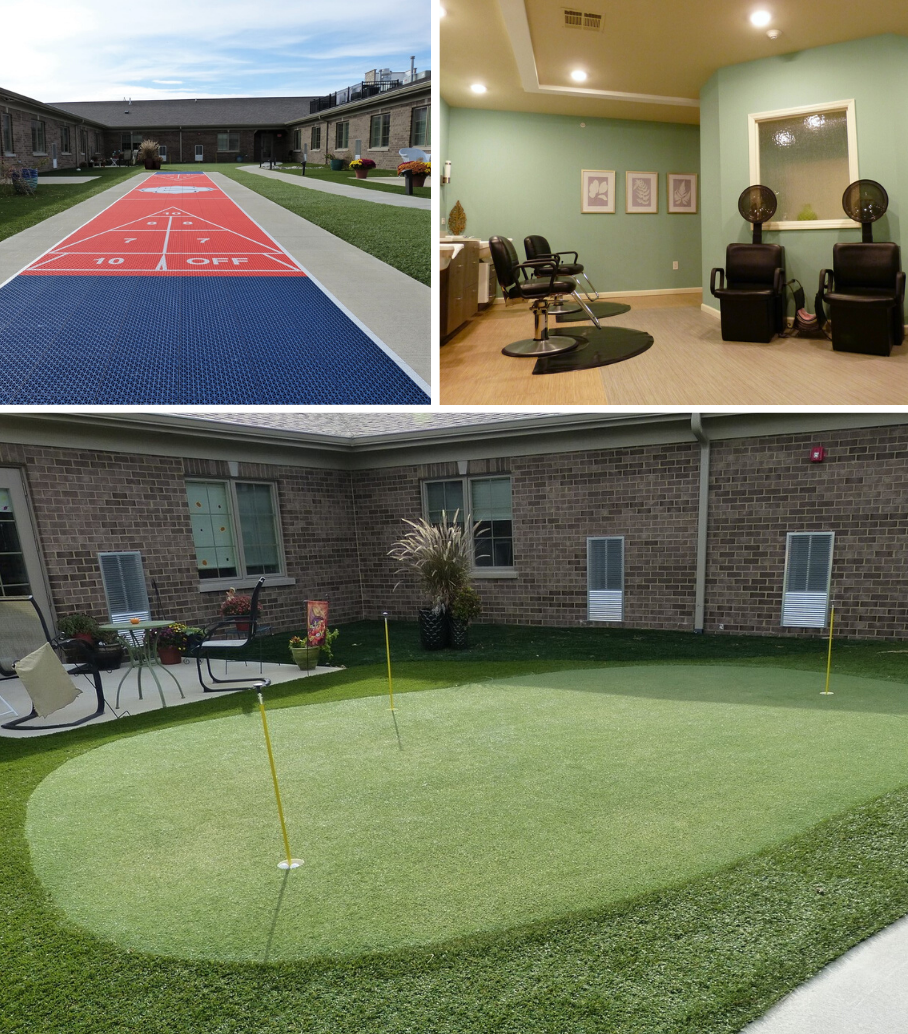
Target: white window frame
x,y
606,601
467,481
39,137
753,128
427,108
794,602
346,145
315,139
380,146
7,132
241,580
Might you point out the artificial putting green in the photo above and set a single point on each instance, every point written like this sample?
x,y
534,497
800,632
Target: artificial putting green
x,y
501,803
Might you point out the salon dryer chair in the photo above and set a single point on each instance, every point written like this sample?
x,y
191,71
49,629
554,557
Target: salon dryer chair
x,y
538,247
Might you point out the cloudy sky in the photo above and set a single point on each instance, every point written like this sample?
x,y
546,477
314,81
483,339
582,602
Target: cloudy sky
x,y
108,49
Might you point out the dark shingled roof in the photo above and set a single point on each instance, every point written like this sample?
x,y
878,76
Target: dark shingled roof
x,y
11,96
219,112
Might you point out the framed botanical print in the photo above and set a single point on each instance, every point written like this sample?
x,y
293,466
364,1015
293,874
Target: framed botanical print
x,y
642,196
682,192
597,190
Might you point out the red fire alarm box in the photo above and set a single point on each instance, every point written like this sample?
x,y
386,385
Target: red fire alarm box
x,y
817,454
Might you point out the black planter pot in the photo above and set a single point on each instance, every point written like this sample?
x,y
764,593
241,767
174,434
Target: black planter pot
x,y
433,630
459,634
109,656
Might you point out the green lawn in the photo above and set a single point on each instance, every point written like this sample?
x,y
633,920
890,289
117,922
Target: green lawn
x,y
719,920
348,178
19,211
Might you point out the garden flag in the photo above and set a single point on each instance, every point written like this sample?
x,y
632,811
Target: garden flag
x,y
316,621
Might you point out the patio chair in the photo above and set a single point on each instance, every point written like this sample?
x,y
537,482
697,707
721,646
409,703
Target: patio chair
x,y
211,645
24,631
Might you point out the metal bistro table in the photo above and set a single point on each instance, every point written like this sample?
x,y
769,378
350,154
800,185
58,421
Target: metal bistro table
x,y
143,653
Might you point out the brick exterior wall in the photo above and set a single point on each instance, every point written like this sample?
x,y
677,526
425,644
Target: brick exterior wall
x,y
250,143
89,502
338,527
21,121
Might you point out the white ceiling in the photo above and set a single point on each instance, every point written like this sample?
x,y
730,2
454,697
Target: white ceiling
x,y
649,59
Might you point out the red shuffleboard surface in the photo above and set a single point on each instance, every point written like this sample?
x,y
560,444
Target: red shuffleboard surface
x,y
171,224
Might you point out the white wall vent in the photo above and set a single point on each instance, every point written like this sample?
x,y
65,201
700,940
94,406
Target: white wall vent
x,y
124,585
808,569
574,19
605,578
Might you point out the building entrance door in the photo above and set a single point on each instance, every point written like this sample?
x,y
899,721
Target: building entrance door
x,y
21,571
199,152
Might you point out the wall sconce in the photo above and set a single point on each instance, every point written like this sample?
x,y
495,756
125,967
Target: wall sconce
x,y
446,174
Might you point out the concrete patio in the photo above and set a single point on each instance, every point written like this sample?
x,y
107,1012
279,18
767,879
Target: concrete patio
x,y
13,696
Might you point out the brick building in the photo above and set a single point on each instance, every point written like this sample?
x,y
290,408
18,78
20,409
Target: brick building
x,y
670,521
386,114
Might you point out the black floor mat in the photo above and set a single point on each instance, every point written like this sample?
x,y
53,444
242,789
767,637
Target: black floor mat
x,y
600,309
604,346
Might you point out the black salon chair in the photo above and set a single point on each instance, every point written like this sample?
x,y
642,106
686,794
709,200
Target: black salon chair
x,y
538,248
751,292
865,296
516,281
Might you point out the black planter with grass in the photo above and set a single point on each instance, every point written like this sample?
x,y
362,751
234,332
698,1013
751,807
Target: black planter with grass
x,y
433,630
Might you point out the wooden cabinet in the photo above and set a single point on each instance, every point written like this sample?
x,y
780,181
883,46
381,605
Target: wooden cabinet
x,y
459,289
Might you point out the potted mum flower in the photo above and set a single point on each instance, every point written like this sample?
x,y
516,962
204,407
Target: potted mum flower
x,y
305,652
417,171
174,640
361,167
237,606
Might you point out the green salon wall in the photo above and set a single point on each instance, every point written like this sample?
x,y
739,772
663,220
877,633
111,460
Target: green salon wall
x,y
874,72
517,173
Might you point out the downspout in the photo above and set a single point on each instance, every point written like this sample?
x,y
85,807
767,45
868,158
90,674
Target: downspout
x,y
696,426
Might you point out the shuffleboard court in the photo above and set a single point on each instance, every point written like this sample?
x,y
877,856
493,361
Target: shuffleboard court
x,y
174,295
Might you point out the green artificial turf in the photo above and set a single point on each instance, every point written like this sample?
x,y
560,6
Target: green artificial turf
x,y
480,808
703,956
347,178
19,211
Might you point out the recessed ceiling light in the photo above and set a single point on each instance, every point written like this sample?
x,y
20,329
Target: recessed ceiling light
x,y
760,18
478,88
578,76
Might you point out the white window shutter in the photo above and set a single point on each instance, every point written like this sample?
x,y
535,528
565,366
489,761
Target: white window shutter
x,y
605,579
808,569
124,586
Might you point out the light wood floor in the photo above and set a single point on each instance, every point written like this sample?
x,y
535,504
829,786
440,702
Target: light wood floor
x,y
689,364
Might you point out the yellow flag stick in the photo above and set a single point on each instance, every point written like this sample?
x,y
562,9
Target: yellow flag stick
x,y
290,863
388,652
826,692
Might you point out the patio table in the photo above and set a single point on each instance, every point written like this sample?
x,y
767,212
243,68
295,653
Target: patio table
x,y
143,653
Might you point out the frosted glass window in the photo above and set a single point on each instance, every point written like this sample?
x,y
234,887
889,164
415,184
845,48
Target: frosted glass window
x,y
804,159
807,156
212,529
257,525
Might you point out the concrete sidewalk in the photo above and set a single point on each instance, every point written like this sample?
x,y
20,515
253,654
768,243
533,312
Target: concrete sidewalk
x,y
394,306
863,992
380,197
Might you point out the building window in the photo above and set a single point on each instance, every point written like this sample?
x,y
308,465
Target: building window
x,y
229,140
162,151
488,508
605,578
807,156
7,133
380,130
316,141
420,128
342,135
13,576
66,140
297,140
808,570
38,142
235,528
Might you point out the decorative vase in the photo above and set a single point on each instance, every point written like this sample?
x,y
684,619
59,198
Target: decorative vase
x,y
433,630
306,657
361,174
109,656
459,633
169,655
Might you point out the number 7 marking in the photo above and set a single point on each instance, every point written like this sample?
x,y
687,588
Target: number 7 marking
x,y
204,240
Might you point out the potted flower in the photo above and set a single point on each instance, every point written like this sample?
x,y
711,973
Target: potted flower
x,y
109,650
336,164
361,167
441,555
306,652
237,606
148,154
78,626
465,607
174,640
416,170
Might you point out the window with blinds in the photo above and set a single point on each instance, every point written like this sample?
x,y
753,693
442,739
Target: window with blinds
x,y
605,578
124,585
808,569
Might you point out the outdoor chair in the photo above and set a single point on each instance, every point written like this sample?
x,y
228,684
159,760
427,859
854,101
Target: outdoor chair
x,y
213,646
23,631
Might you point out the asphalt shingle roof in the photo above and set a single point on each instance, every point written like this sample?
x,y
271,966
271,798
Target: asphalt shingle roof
x,y
220,112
